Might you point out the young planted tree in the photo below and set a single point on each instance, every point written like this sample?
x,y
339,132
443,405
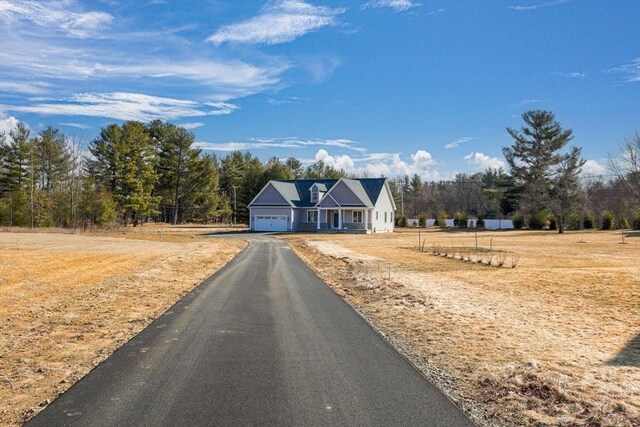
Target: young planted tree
x,y
625,165
535,161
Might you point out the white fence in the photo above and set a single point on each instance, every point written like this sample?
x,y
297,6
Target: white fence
x,y
489,224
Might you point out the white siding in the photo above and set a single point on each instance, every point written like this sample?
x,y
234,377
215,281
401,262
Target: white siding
x,y
382,205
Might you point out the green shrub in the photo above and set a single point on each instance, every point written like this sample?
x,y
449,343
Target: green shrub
x,y
608,219
460,219
574,221
624,224
401,220
422,219
538,221
441,219
636,221
480,222
589,222
518,221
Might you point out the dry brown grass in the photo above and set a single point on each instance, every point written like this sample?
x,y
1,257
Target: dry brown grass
x,y
554,341
67,301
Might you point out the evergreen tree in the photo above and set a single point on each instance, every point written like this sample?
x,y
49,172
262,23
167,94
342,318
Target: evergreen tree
x,y
534,156
124,161
177,166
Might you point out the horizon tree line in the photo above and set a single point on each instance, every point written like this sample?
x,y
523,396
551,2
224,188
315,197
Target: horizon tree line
x,y
135,172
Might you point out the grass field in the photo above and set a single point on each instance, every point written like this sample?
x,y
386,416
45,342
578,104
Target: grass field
x,y
554,341
67,301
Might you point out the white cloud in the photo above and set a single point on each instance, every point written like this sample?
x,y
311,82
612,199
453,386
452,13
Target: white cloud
x,y
54,14
120,106
631,69
280,22
537,6
383,164
574,75
192,125
76,125
397,5
340,162
7,124
31,88
264,143
460,141
482,161
593,167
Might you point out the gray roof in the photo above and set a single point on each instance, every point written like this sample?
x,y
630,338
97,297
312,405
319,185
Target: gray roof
x,y
287,189
320,186
357,188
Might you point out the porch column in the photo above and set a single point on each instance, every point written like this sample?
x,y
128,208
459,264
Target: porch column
x,y
366,219
291,226
318,219
339,219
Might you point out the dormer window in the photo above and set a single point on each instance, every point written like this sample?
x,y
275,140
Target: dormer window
x,y
317,190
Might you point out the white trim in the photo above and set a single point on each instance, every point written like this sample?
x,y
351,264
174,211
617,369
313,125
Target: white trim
x,y
353,216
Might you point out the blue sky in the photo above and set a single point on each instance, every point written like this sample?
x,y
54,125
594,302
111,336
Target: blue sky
x,y
375,87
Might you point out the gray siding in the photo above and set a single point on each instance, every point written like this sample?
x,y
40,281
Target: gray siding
x,y
344,196
270,196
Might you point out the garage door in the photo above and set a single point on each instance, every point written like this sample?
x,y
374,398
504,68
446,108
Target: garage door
x,y
270,223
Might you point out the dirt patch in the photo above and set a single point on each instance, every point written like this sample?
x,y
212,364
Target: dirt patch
x,y
552,341
67,301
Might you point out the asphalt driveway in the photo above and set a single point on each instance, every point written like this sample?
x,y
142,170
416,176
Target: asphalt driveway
x,y
262,342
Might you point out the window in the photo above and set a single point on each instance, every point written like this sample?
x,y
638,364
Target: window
x,y
312,216
385,217
314,196
357,216
391,216
377,215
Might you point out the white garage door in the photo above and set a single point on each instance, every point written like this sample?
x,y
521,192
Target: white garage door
x,y
270,223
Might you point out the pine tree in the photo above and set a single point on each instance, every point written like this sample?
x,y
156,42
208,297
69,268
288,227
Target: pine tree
x,y
533,157
124,161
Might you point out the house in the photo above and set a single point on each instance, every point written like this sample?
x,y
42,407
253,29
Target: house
x,y
363,205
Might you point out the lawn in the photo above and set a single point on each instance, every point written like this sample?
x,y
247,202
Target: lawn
x,y
67,301
553,341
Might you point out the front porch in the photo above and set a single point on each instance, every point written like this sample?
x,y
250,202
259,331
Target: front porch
x,y
341,220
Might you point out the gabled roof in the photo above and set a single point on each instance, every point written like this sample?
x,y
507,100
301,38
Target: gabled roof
x,y
319,186
296,191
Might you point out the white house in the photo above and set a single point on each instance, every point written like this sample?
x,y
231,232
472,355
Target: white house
x,y
363,205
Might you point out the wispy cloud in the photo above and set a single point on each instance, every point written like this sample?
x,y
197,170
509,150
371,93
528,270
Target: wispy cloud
x,y
30,88
537,6
121,106
279,22
631,70
63,16
396,5
191,125
265,143
573,75
460,141
482,161
76,125
287,100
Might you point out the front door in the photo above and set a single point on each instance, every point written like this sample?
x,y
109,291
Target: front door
x,y
335,219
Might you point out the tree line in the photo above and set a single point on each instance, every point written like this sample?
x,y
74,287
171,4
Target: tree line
x,y
137,172
542,188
